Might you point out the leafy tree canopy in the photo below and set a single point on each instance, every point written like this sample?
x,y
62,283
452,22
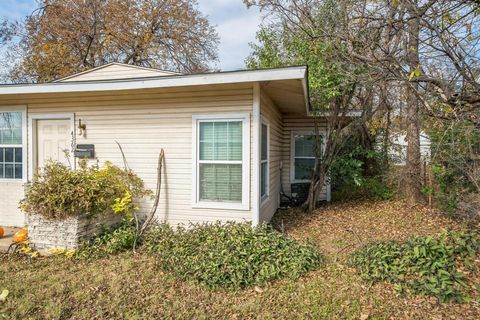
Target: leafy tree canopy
x,y
284,44
63,37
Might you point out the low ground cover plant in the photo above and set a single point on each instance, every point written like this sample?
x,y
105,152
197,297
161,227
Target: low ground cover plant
x,y
422,265
57,192
122,238
230,256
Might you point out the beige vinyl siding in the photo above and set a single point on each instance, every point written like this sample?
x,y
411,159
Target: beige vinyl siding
x,y
280,153
10,194
116,71
292,123
145,121
274,118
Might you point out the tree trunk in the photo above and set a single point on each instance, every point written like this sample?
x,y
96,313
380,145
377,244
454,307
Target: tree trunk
x,y
315,187
320,170
413,161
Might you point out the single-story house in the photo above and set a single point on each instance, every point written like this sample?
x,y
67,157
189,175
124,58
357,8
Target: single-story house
x,y
233,141
398,148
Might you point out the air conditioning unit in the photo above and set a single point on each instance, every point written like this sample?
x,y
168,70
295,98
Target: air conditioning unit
x,y
300,191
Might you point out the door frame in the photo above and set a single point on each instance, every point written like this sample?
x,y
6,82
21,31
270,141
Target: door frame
x,y
32,137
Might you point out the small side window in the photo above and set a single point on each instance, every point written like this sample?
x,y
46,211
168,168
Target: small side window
x,y
304,156
264,183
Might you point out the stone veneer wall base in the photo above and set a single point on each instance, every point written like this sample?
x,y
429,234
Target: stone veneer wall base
x,y
66,234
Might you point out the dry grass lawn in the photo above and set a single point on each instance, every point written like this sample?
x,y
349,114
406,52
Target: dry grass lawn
x,y
130,286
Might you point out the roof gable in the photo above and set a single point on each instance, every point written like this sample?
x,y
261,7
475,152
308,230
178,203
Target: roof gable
x,y
116,71
287,86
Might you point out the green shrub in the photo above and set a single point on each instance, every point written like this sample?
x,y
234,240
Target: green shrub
x,y
377,189
230,256
421,265
448,185
119,239
58,192
455,150
358,172
371,188
348,169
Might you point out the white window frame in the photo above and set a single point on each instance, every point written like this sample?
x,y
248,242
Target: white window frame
x,y
219,117
23,145
292,153
265,197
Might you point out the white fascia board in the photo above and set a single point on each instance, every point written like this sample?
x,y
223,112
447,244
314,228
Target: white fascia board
x,y
290,73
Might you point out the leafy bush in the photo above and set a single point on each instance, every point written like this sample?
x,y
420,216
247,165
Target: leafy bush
x,y
348,168
371,188
58,192
448,185
422,265
230,256
377,190
358,173
455,173
120,239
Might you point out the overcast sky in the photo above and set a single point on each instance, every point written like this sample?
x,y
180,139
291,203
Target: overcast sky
x,y
236,25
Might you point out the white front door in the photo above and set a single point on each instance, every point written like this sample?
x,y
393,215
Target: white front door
x,y
54,141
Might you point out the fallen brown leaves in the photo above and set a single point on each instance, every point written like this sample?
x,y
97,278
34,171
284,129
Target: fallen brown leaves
x,y
349,225
341,228
131,286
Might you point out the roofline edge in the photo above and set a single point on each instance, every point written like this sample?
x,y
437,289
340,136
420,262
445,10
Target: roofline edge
x,y
229,77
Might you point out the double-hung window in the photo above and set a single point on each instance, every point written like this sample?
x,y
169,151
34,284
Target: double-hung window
x,y
303,155
221,158
11,145
264,165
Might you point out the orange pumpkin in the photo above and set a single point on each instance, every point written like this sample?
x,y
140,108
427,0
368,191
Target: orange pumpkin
x,y
21,235
2,232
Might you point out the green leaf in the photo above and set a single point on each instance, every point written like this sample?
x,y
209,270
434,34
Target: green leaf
x,y
416,251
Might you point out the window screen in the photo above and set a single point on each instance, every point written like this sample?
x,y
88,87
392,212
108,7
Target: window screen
x,y
11,148
304,161
264,162
220,161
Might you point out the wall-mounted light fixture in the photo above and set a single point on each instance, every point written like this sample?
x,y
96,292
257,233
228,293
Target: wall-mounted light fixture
x,y
82,128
